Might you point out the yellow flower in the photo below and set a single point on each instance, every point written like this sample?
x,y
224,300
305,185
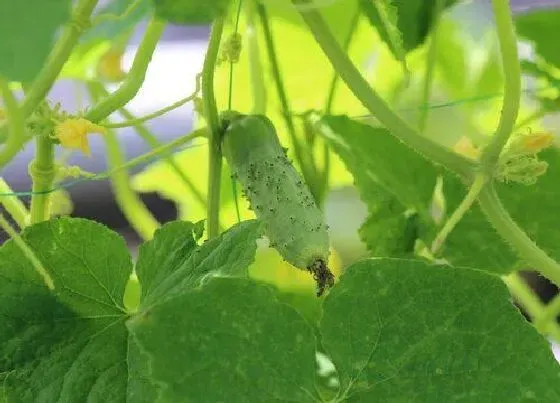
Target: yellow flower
x,y
110,66
72,133
529,143
538,141
465,147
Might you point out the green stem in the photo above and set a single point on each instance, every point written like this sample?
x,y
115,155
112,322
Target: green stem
x,y
133,208
547,318
540,313
512,82
336,77
155,152
213,121
280,89
27,252
43,171
430,66
459,212
153,142
135,77
255,67
16,125
524,295
515,236
136,121
13,205
59,55
373,102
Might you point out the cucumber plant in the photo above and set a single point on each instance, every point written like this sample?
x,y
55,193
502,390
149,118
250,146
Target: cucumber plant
x,y
458,205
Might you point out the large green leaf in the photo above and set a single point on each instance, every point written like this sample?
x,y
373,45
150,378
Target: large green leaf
x,y
405,331
125,18
235,343
190,11
383,15
402,23
394,181
541,28
475,243
27,29
71,344
228,255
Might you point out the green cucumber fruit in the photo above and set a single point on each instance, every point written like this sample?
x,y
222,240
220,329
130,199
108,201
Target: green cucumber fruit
x,y
281,200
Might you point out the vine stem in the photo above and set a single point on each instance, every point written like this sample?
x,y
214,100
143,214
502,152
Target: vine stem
x,y
135,77
547,318
155,152
16,124
133,208
512,84
152,141
373,102
42,171
135,121
515,236
280,89
59,55
27,252
459,212
13,205
430,66
535,308
213,121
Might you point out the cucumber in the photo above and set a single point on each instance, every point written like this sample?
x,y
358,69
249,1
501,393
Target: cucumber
x,y
277,194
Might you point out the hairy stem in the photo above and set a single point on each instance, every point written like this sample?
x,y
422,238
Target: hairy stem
x,y
459,212
135,121
43,171
213,121
39,88
373,102
27,252
531,303
523,294
133,208
13,205
162,151
16,125
515,236
135,77
512,83
152,141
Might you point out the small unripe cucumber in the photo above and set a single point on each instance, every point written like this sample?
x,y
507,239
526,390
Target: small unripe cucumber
x,y
281,200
